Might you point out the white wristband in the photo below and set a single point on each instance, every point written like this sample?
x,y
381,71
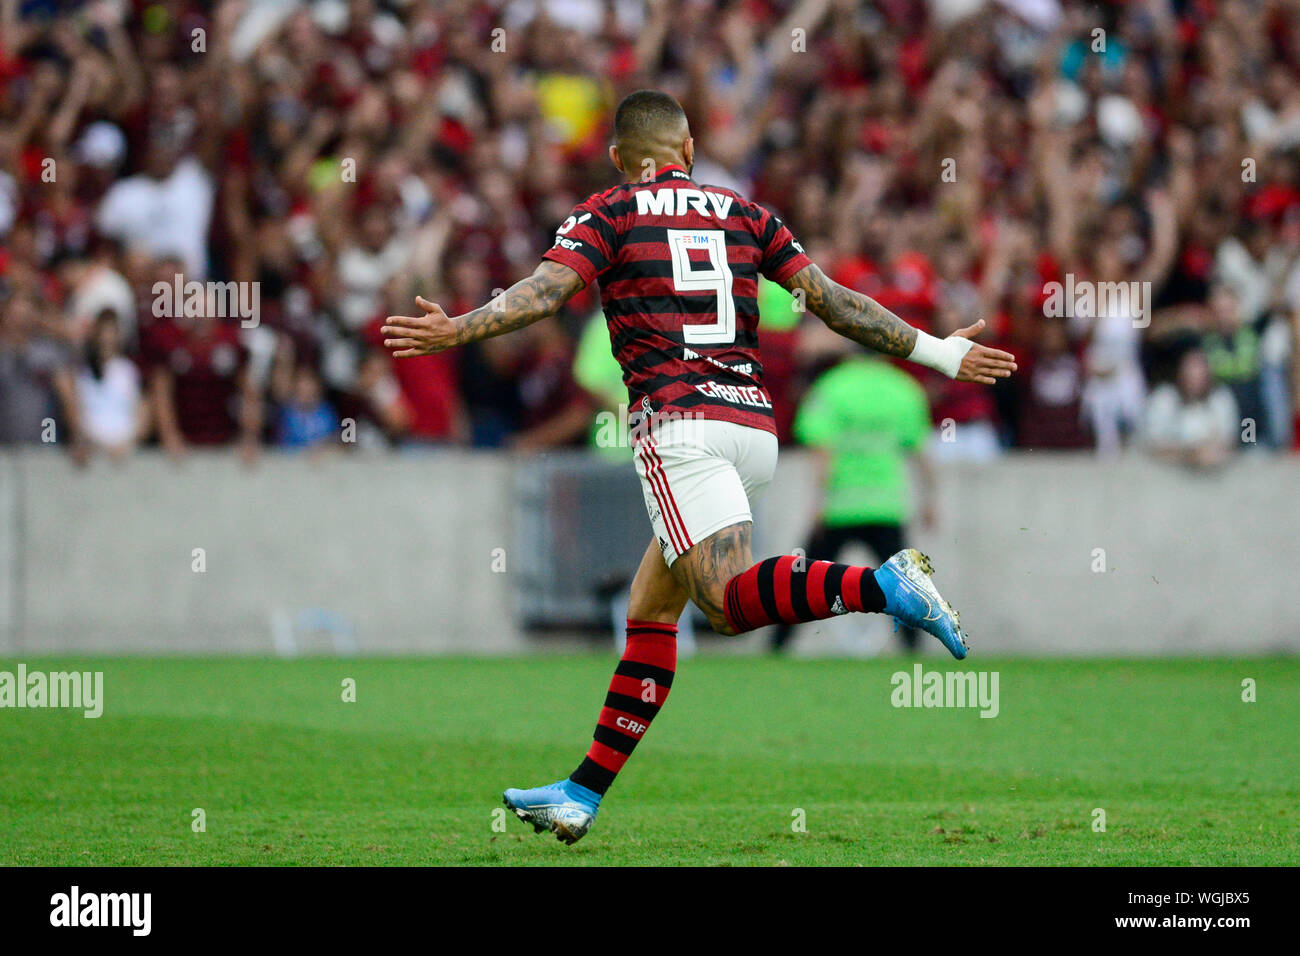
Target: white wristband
x,y
942,355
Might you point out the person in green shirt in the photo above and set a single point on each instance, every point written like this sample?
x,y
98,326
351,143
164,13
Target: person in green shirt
x,y
866,420
597,371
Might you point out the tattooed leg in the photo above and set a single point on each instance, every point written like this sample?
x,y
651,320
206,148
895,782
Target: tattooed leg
x,y
738,595
705,570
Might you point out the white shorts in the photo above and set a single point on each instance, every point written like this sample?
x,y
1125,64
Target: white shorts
x,y
699,476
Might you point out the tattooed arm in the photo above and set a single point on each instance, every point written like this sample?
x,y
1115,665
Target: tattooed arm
x,y
867,322
525,302
852,314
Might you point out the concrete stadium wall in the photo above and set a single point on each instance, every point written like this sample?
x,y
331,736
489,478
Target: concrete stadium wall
x,y
396,555
1193,563
396,550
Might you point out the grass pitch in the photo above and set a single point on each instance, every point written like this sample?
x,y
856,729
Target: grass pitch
x,y
744,751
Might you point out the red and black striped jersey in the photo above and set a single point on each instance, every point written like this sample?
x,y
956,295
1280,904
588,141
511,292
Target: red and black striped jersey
x,y
678,265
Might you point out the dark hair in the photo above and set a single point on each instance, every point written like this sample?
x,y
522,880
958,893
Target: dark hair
x,y
643,116
94,362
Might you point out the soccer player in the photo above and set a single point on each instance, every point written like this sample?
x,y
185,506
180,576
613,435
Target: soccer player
x,y
678,265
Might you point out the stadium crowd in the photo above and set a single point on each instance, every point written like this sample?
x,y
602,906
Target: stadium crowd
x,y
953,159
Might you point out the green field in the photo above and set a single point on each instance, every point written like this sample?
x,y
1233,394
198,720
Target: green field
x,y
411,773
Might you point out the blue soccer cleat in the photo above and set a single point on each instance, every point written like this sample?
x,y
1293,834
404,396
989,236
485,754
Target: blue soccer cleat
x,y
564,808
912,598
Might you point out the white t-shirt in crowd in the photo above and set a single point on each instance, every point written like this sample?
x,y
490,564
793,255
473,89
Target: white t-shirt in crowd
x,y
163,216
363,275
109,404
1171,422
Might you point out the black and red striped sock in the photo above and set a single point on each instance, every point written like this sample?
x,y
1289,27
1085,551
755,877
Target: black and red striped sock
x,y
639,688
791,589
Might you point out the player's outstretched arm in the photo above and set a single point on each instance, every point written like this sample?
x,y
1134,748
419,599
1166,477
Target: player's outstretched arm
x,y
864,320
525,302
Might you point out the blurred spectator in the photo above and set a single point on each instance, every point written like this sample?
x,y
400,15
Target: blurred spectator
x,y
164,210
304,418
965,412
430,391
199,388
366,265
376,406
111,412
1192,421
557,411
35,383
1232,349
96,284
1050,386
